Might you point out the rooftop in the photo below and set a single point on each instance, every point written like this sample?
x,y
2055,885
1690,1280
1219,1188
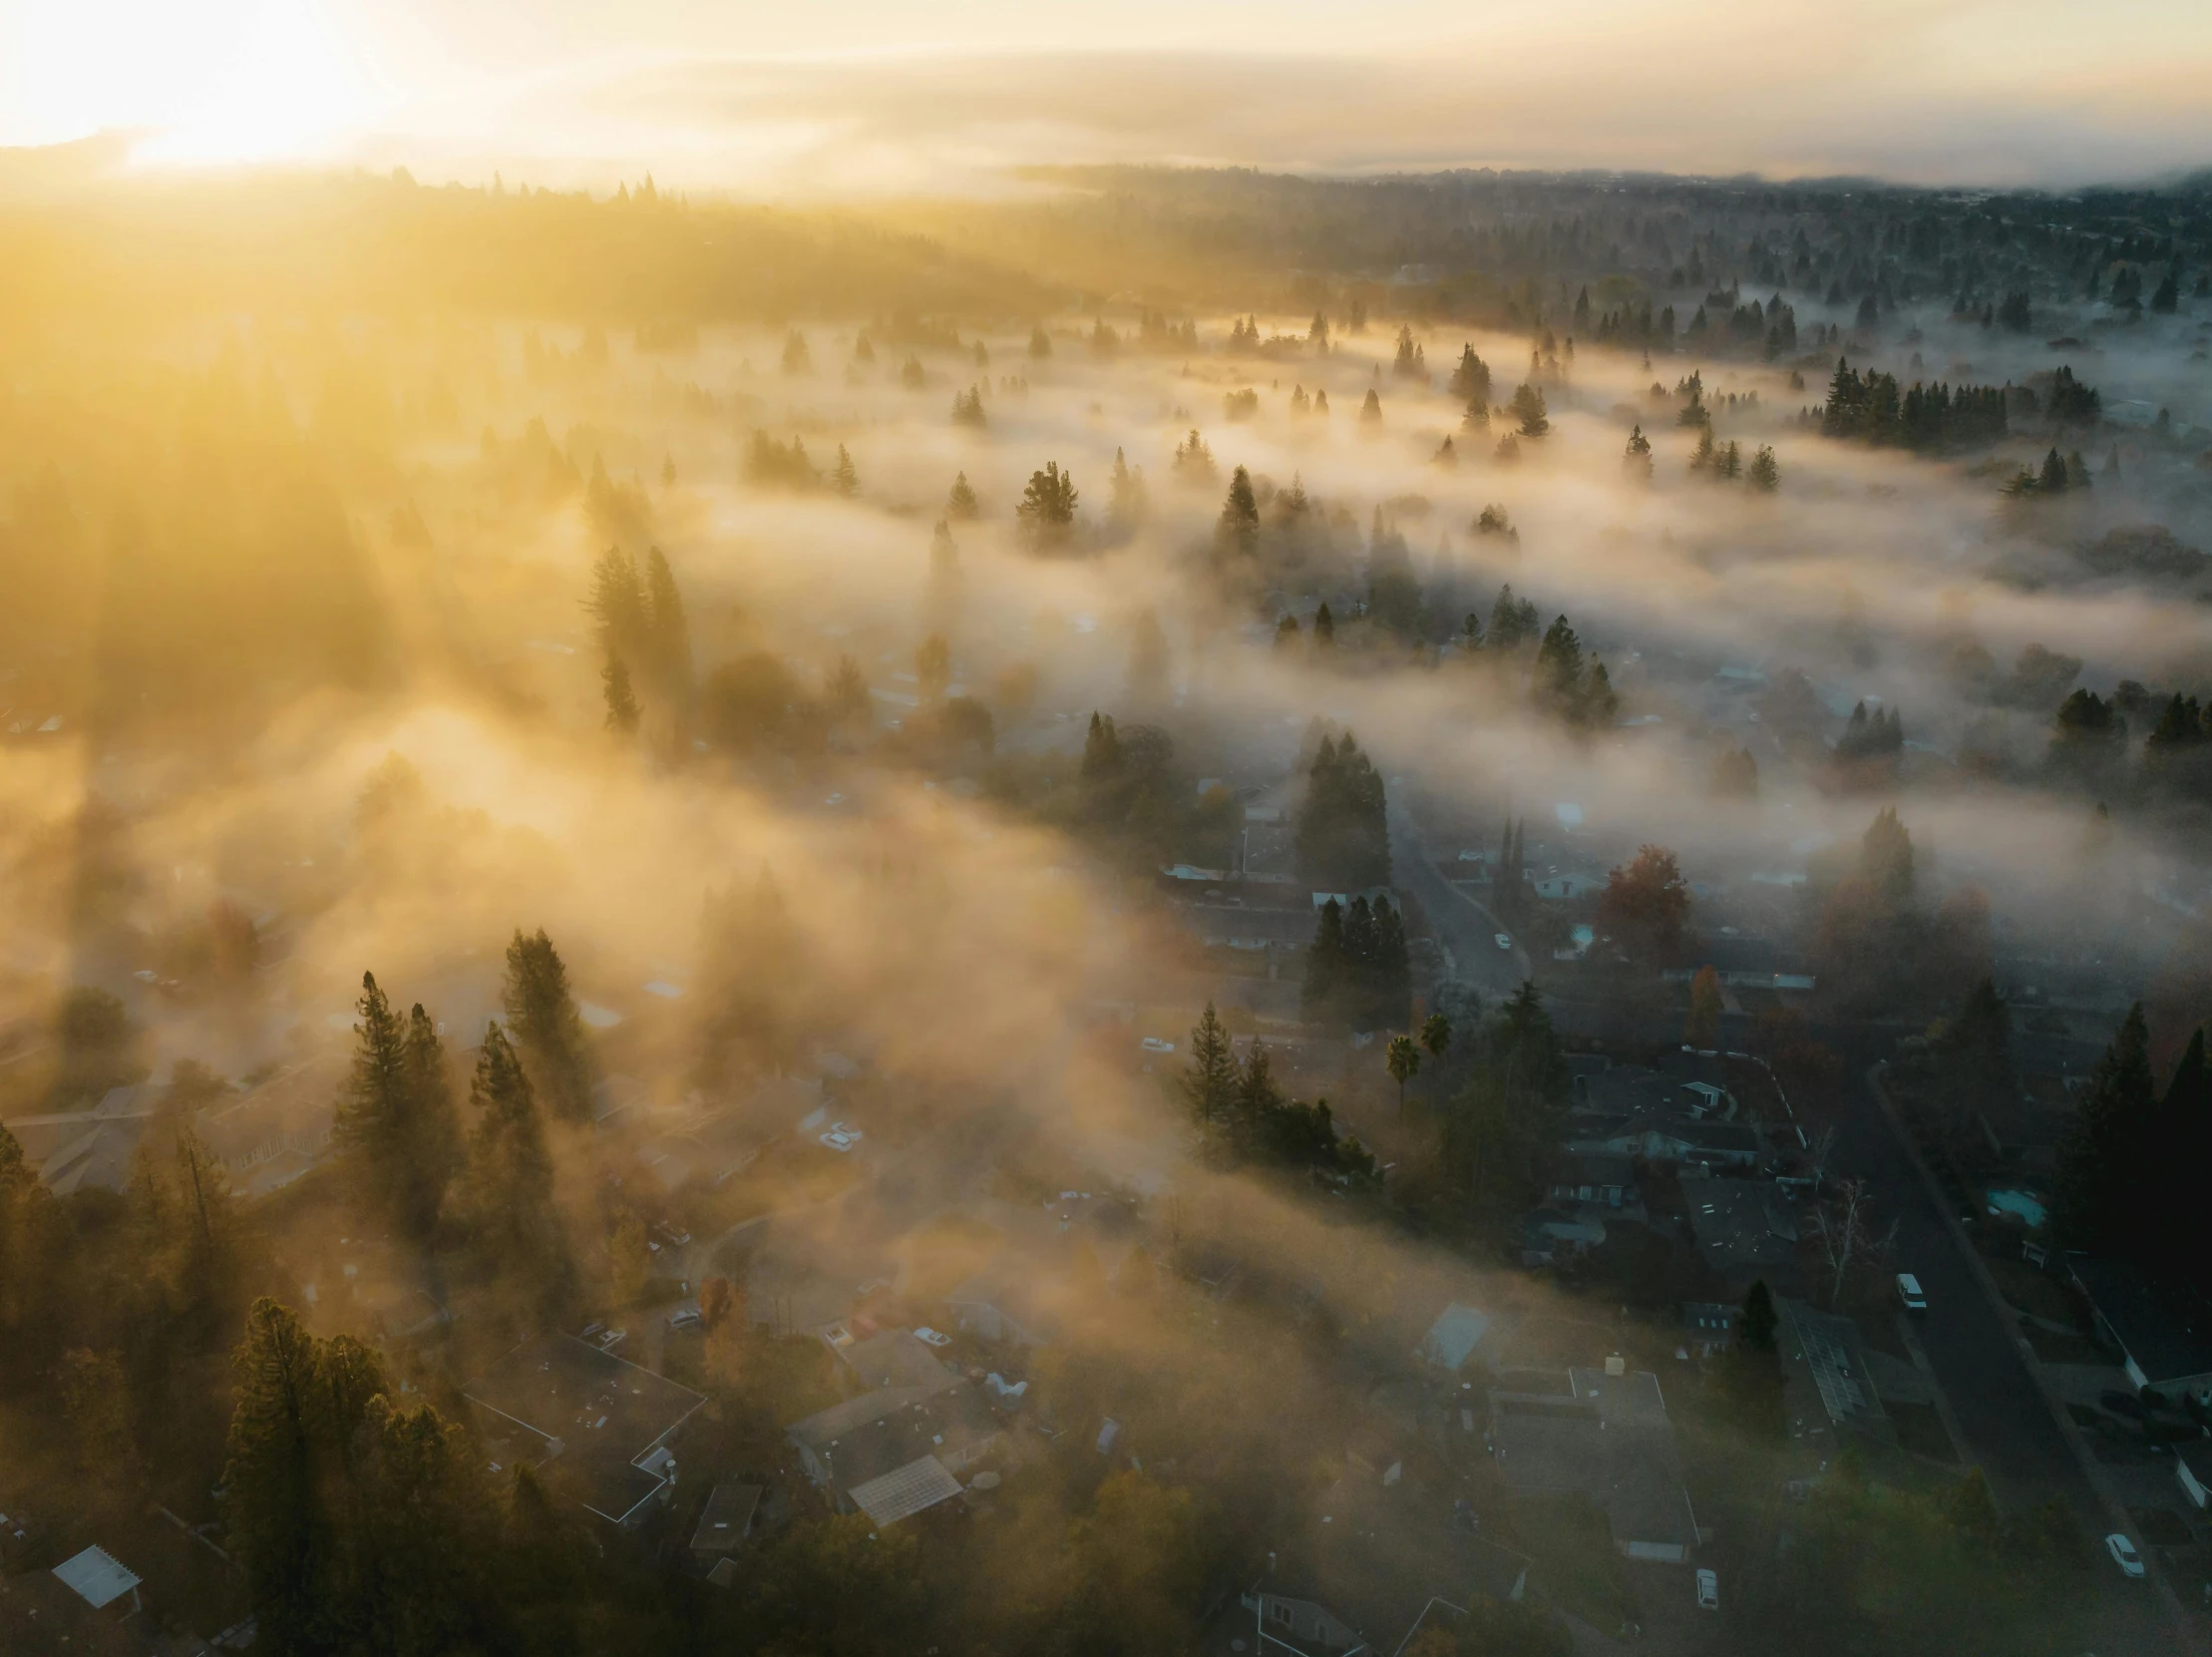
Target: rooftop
x,y
2165,1330
96,1577
1610,1440
601,1416
883,1432
727,1518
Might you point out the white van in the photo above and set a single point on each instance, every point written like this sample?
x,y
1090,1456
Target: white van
x,y
1908,1293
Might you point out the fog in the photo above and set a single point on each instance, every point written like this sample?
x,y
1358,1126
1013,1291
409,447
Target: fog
x,y
313,495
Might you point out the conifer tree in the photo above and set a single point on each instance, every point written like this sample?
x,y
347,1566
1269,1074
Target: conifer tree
x,y
511,1176
668,631
621,700
1210,1079
844,477
2104,1159
1238,528
960,506
547,1026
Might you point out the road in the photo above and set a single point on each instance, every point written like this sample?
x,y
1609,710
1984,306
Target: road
x,y
1466,930
1978,1360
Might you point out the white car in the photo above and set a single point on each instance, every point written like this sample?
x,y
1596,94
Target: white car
x,y
840,1137
1909,1295
2123,1555
1153,1044
688,1318
1708,1591
933,1337
1504,943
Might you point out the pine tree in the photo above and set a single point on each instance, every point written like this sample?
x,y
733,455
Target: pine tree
x,y
2104,1159
844,477
667,630
619,605
1370,412
1529,410
1766,473
1238,528
547,1026
1210,1080
1325,963
960,506
1637,456
621,701
373,1114
511,1176
1324,627
1040,343
1756,1330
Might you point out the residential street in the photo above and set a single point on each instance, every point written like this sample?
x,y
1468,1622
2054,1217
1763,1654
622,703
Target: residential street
x,y
1463,927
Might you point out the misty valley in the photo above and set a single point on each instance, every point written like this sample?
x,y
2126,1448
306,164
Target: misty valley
x,y
1179,910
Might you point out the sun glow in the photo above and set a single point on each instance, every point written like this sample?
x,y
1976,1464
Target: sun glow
x,y
209,82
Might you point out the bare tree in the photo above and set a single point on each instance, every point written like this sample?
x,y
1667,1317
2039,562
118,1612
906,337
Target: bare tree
x,y
1842,1226
1818,1149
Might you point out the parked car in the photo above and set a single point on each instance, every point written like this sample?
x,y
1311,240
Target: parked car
x,y
841,1136
1504,943
933,1337
688,1318
1708,1590
1908,1293
2123,1555
671,1236
1154,1043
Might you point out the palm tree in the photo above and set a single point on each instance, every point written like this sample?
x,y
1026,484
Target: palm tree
x,y
1403,1060
1436,1034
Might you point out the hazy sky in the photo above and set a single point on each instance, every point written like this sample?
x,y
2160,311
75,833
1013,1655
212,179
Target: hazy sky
x,y
868,94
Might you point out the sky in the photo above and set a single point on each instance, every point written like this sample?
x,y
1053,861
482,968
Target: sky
x,y
861,96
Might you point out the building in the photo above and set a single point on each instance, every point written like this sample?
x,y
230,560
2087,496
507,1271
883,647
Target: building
x,y
896,1450
1827,1353
269,1137
725,1522
1453,1336
1745,1228
99,1580
76,1150
1560,1231
1711,1325
598,1424
1657,1137
2163,1331
1303,1627
1594,1177
1609,1438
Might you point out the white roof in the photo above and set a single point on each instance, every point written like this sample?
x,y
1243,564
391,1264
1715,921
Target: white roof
x,y
95,1577
906,1491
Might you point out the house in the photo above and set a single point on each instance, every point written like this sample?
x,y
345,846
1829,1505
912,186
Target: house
x,y
2163,1331
1745,1228
1828,1352
2192,1465
1560,1231
896,1450
725,1521
599,1424
1594,1177
702,1151
87,1607
1608,1438
995,1306
75,1151
98,1578
1711,1325
270,1137
1304,1628
1662,1139
1453,1336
